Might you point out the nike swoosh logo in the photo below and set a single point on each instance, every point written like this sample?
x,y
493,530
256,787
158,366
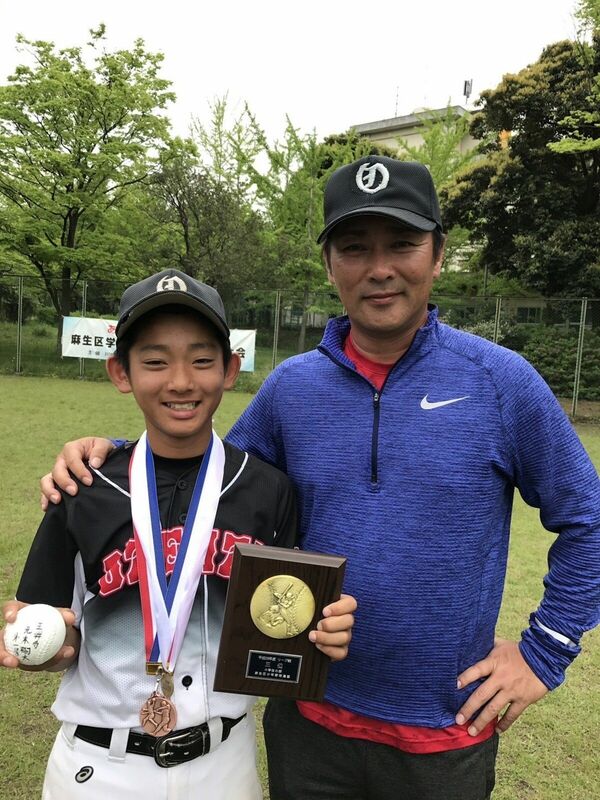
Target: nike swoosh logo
x,y
427,406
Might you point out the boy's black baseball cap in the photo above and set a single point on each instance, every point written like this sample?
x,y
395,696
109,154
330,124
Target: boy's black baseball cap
x,y
384,187
171,287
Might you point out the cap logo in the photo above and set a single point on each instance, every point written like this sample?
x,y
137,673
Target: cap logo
x,y
173,284
372,178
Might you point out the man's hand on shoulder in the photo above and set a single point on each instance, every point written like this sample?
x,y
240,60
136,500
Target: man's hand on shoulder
x,y
334,631
71,458
509,683
65,656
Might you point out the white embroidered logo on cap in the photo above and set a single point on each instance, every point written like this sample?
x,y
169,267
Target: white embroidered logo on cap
x,y
173,284
366,177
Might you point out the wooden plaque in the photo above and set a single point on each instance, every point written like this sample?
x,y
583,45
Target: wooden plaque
x,y
265,649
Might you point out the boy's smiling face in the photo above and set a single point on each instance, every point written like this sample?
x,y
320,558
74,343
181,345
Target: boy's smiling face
x,y
177,376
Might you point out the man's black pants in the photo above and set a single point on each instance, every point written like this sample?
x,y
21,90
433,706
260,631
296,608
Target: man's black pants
x,y
308,762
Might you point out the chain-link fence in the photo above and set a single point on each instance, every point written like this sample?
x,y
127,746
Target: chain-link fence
x,y
559,336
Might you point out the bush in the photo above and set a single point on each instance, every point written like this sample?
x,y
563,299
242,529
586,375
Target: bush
x,y
249,382
553,352
43,331
551,349
46,315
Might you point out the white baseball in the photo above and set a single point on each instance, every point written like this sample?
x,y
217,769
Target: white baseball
x,y
36,635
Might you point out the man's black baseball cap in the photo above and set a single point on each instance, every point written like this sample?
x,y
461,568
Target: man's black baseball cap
x,y
171,287
384,187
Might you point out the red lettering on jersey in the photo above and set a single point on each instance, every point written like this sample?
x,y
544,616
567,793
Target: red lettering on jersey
x,y
113,578
210,562
121,568
130,558
230,539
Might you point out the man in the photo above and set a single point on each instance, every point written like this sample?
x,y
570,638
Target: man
x,y
405,440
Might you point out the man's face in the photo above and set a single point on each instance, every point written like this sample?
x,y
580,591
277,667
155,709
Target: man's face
x,y
383,273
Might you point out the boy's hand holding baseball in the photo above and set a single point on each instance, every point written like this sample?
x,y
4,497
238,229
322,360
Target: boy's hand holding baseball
x,y
60,661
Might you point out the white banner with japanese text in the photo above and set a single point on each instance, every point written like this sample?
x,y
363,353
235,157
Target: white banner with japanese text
x,y
244,344
84,337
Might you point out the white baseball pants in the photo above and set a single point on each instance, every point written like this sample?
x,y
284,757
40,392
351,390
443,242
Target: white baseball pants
x,y
80,771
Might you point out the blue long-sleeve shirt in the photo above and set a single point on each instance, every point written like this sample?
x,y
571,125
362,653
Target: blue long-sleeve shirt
x,y
417,492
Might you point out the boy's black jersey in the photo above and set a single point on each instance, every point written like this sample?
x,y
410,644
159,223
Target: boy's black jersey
x,y
83,557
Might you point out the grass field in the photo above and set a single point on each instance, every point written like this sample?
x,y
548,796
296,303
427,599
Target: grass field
x,y
550,754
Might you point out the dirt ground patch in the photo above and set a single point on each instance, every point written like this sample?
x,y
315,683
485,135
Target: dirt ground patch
x,y
587,410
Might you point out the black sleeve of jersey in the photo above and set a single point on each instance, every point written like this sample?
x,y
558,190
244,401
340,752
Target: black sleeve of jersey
x,y
287,516
49,572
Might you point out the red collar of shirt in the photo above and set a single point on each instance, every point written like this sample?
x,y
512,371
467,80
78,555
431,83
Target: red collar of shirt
x,y
373,371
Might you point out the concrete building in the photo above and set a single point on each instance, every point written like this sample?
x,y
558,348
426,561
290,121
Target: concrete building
x,y
409,127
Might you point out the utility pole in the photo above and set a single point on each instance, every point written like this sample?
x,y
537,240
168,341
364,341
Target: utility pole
x,y
467,89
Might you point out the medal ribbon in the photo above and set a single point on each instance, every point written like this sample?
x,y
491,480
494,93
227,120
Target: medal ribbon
x,y
166,608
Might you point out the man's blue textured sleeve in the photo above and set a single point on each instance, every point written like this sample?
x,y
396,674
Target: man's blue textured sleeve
x,y
257,429
554,473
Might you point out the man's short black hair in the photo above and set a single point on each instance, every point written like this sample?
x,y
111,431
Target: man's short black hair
x,y
129,338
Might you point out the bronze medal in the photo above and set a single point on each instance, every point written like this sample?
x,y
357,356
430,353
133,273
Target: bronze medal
x,y
158,715
282,606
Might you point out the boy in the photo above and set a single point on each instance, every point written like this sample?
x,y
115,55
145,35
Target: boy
x,y
142,557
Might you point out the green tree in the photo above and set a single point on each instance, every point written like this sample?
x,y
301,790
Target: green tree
x,y
73,139
226,147
283,181
219,234
588,14
287,190
442,150
443,153
292,190
581,128
530,201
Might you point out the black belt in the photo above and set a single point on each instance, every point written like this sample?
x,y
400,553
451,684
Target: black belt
x,y
168,751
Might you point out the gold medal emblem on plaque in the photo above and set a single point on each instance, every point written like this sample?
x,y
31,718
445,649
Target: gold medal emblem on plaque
x,y
282,606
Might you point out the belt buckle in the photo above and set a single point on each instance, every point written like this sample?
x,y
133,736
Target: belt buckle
x,y
165,757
